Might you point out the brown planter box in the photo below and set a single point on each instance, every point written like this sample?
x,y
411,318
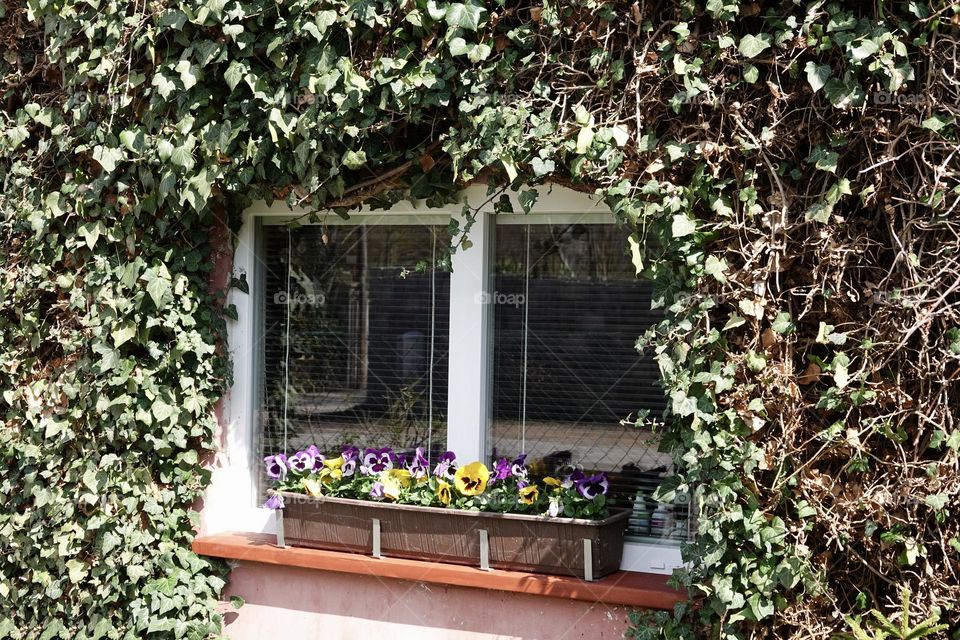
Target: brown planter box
x,y
489,540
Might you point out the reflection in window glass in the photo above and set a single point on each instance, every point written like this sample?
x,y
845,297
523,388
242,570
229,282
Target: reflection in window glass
x,y
355,337
568,311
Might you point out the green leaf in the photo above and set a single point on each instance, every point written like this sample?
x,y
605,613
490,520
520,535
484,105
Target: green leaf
x,y
751,46
107,157
234,74
182,157
817,75
159,290
783,324
936,122
464,16
716,267
161,410
937,501
236,602
841,376
354,159
124,333
682,226
584,140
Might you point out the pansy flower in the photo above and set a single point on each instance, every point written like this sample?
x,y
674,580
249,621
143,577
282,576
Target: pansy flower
x,y
274,502
529,494
332,470
571,480
420,466
376,491
301,462
376,460
394,481
518,468
444,493
550,481
501,471
471,479
593,486
276,466
318,457
350,455
446,465
554,508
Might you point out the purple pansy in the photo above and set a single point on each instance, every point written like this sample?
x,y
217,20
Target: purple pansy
x,y
445,465
273,502
376,460
276,466
501,471
575,476
301,462
350,455
519,469
420,465
593,486
376,491
318,457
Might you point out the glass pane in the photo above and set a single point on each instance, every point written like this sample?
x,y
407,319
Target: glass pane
x,y
568,312
355,337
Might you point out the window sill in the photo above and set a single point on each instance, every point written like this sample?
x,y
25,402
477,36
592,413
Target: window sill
x,y
648,591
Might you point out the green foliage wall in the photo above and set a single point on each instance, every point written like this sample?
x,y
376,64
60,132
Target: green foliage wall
x,y
795,163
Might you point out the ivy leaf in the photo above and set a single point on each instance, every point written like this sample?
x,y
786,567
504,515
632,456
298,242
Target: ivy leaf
x,y
937,501
783,324
817,75
542,167
354,159
164,86
682,226
234,74
527,199
107,157
717,268
636,252
182,157
124,333
158,287
751,46
464,16
841,376
458,47
584,139
936,122
823,159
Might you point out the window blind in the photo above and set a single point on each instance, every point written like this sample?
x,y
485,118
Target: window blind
x,y
568,311
355,337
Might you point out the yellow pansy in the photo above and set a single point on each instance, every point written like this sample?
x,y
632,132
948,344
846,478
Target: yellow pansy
x,y
529,494
333,463
312,487
444,493
471,479
393,481
550,481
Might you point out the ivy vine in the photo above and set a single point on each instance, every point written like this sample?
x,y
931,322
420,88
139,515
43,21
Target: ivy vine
x,y
790,171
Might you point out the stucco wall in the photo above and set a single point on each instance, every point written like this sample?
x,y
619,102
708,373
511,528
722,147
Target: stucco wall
x,y
307,604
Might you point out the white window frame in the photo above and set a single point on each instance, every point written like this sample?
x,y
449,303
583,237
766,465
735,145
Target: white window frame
x,y
232,500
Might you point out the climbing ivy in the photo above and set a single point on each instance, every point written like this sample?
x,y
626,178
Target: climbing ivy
x,y
789,171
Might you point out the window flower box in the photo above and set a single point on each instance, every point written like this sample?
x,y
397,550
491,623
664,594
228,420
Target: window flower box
x,y
565,546
377,503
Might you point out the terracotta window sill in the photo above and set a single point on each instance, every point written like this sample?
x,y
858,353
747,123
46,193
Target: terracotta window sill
x,y
643,590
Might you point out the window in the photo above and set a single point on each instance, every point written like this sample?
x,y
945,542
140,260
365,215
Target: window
x,y
568,312
355,337
365,331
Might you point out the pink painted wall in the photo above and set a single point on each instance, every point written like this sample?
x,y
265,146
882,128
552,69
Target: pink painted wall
x,y
312,605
